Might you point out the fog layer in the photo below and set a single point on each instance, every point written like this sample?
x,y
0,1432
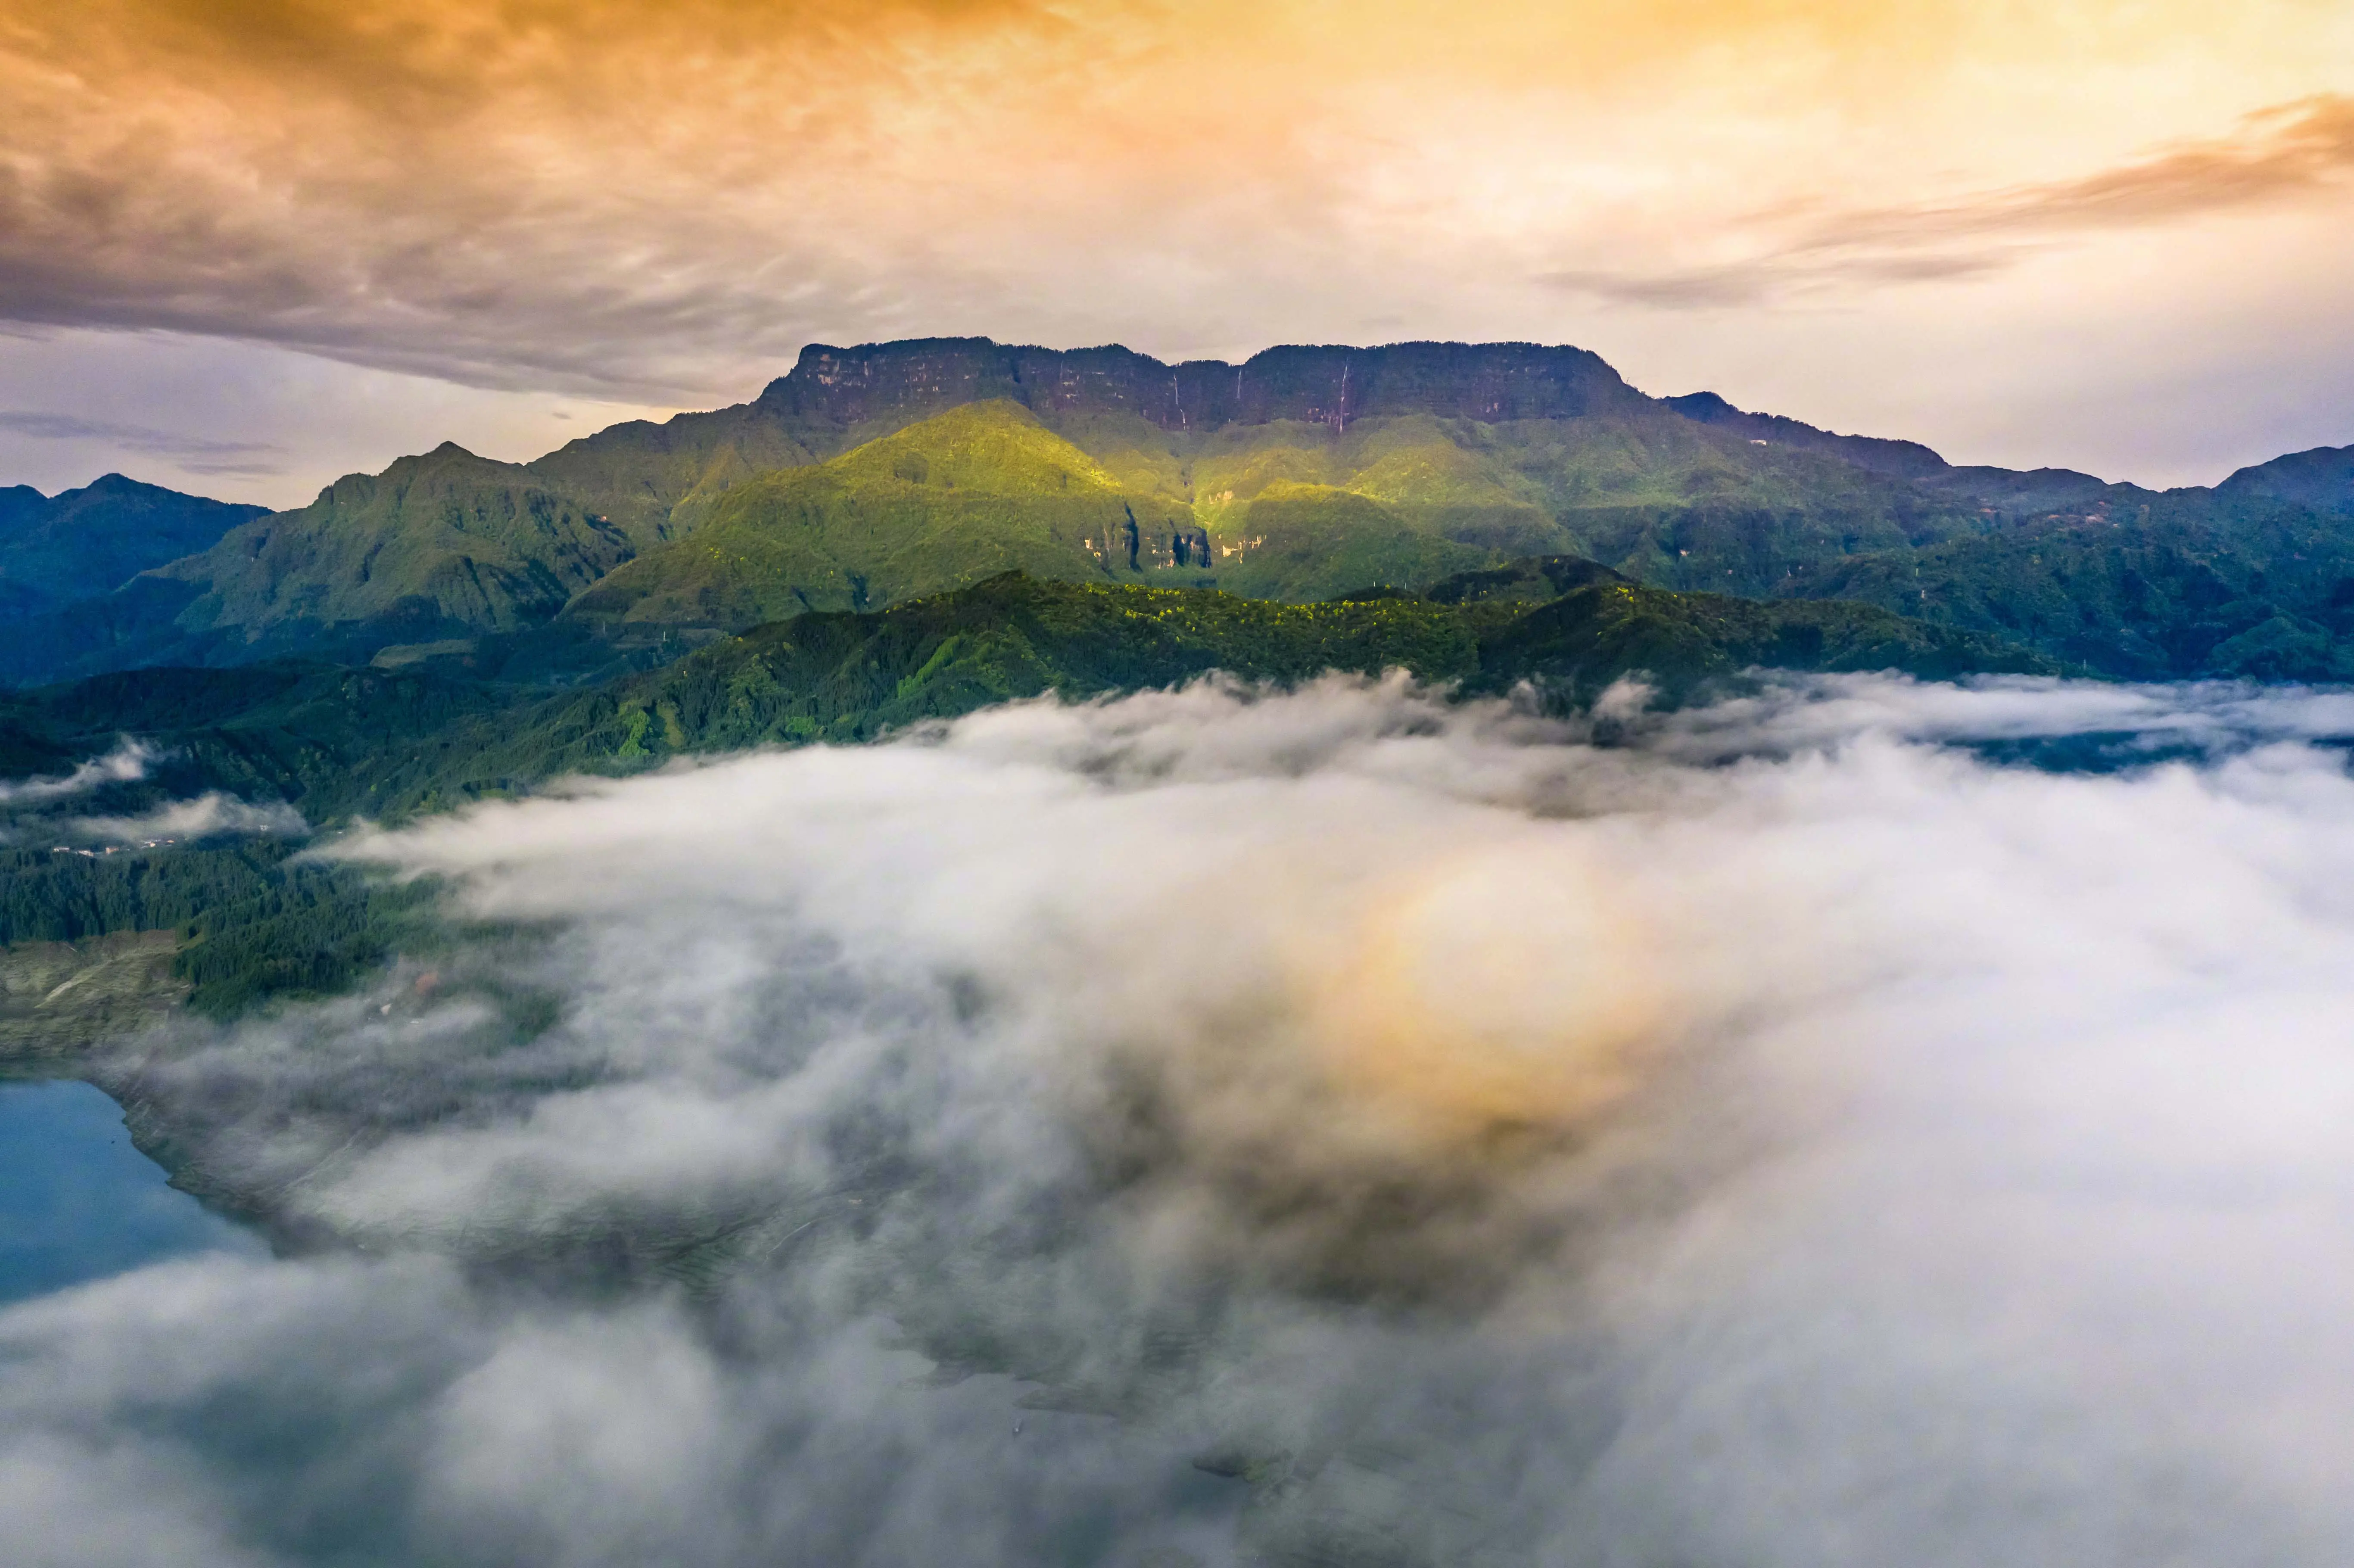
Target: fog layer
x,y
1787,1134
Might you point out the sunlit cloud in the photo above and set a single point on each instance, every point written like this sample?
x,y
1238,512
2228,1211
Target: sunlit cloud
x,y
1738,1143
671,197
2295,151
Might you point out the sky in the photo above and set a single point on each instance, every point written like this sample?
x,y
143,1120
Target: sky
x,y
248,245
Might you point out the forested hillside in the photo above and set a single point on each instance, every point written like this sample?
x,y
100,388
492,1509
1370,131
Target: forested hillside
x,y
870,475
56,550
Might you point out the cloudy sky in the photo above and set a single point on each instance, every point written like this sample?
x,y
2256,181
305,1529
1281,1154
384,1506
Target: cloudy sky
x,y
245,245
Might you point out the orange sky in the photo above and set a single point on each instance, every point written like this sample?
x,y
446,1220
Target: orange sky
x,y
2108,234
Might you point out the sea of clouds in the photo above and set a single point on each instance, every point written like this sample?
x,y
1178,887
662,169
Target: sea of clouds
x,y
1334,1127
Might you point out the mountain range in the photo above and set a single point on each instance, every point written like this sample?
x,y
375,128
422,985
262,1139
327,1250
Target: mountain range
x,y
896,535
867,476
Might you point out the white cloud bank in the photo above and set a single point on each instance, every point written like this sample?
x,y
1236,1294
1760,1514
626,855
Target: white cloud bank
x,y
1495,1147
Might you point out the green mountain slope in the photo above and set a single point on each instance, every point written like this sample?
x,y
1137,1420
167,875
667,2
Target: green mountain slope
x,y
1287,510
1571,625
84,543
656,483
2321,480
1300,474
252,921
2191,583
964,495
434,547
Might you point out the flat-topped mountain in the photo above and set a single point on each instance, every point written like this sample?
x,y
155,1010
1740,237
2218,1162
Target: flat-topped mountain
x,y
883,471
843,388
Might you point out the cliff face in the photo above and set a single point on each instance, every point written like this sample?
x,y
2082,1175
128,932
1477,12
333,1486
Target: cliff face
x,y
842,388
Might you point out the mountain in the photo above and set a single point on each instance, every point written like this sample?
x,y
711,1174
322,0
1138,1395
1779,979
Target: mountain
x,y
2187,584
896,383
1904,459
435,545
444,544
338,742
1300,474
1316,469
82,543
2321,480
963,496
656,481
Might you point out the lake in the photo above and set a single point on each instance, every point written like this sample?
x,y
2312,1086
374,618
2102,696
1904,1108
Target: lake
x,y
77,1203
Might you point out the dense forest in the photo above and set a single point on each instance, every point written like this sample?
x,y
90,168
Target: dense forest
x,y
256,919
901,532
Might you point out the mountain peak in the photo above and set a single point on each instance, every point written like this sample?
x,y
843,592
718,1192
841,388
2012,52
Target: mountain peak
x,y
1310,384
2321,477
1903,460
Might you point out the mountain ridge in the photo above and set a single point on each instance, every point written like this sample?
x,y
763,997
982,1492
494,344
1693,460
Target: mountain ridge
x,y
52,547
1302,471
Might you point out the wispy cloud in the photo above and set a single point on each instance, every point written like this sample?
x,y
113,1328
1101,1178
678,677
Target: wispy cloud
x,y
199,454
203,816
2302,151
126,762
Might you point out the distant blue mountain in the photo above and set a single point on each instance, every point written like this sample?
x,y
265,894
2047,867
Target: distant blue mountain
x,y
2321,480
58,549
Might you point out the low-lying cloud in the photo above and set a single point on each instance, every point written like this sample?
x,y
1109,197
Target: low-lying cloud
x,y
127,762
202,816
1783,1136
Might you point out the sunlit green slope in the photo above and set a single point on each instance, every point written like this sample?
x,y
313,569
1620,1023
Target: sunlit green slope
x,y
435,546
1659,497
964,495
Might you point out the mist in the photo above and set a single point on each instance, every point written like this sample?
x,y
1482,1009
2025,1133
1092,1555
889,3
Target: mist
x,y
208,815
1336,1126
128,761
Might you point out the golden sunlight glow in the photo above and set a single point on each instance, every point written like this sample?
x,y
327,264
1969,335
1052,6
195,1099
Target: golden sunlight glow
x,y
666,200
1493,991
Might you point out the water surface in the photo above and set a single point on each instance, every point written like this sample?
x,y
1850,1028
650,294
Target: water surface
x,y
77,1203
